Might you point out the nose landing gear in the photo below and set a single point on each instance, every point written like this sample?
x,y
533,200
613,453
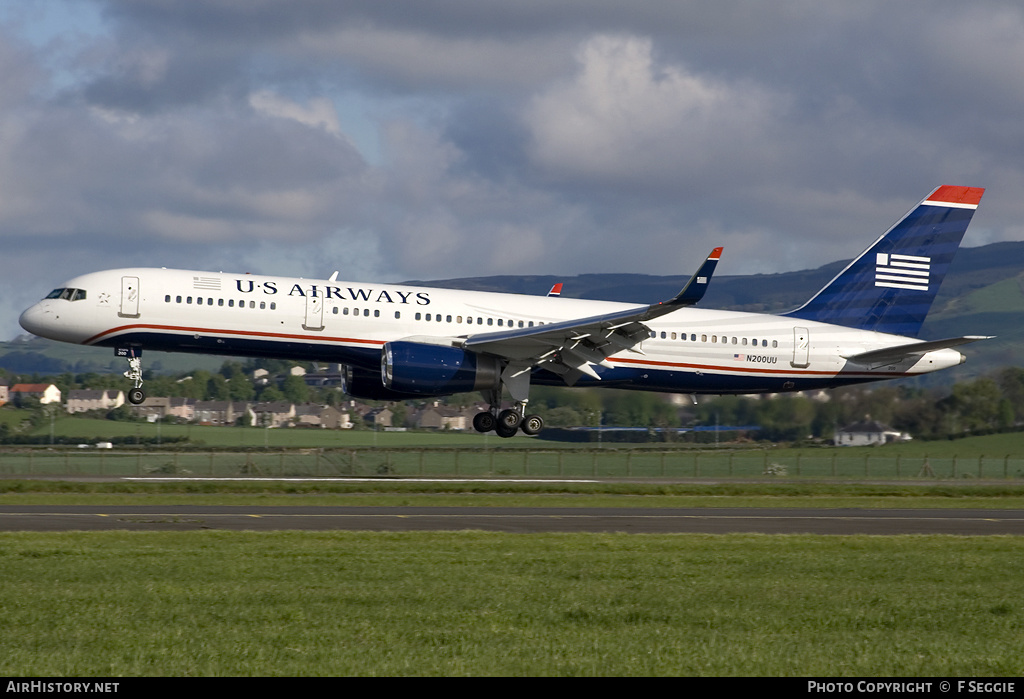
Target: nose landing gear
x,y
134,374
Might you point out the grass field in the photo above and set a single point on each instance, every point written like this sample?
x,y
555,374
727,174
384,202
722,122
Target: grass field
x,y
471,603
122,604
427,493
944,462
249,437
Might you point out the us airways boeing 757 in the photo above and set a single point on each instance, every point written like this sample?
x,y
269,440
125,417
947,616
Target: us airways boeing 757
x,y
400,342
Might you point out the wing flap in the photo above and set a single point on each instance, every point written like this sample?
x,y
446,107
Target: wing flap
x,y
572,348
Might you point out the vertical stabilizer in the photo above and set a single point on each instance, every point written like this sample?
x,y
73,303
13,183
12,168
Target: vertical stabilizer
x,y
891,285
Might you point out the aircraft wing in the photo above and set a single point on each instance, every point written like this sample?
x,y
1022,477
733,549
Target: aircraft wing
x,y
570,348
892,355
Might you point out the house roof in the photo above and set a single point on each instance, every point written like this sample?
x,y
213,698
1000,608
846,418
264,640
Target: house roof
x,y
868,427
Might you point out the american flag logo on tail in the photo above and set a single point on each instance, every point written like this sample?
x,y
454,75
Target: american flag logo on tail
x,y
902,271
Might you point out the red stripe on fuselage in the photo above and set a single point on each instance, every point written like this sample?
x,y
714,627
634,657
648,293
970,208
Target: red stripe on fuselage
x,y
743,370
240,333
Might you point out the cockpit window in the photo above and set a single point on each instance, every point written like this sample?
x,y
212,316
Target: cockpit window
x,y
67,294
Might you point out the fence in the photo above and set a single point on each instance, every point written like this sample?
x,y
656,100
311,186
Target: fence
x,y
537,463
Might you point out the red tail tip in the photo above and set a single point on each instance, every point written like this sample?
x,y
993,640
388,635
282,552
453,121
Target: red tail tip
x,y
958,195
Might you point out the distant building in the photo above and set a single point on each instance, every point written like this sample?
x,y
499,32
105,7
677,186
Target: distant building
x,y
273,414
4,396
45,392
221,412
867,433
378,417
441,417
84,400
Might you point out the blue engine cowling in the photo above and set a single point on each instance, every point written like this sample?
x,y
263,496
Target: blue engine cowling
x,y
433,370
367,385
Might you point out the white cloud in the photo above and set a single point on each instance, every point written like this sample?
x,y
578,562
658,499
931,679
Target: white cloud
x,y
318,112
626,118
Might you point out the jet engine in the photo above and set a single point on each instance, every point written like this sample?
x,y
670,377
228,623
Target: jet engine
x,y
434,370
367,385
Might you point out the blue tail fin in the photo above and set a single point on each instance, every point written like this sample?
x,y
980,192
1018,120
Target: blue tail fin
x,y
891,285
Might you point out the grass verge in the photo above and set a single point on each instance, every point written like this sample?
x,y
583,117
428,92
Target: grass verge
x,y
472,603
510,494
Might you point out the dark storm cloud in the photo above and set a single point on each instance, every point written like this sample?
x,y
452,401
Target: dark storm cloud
x,y
416,139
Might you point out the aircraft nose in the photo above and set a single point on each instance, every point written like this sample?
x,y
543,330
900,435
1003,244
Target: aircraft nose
x,y
36,319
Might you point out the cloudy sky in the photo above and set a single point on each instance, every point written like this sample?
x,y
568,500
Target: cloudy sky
x,y
412,139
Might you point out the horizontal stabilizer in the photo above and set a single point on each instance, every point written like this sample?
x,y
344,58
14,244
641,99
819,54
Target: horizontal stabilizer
x,y
890,355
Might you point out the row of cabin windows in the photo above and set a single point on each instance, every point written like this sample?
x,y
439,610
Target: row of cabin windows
x,y
440,318
715,339
470,320
230,303
366,312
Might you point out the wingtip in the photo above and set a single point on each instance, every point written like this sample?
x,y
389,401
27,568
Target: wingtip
x,y
716,253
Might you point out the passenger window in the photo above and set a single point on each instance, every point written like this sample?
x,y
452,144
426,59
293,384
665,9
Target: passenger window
x,y
398,314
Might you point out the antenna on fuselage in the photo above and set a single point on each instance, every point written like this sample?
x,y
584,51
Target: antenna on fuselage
x,y
334,277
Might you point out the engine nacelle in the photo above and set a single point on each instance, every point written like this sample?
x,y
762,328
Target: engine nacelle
x,y
367,385
434,370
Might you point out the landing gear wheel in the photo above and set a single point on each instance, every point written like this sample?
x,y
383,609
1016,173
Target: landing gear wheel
x,y
484,422
505,431
532,425
509,419
136,396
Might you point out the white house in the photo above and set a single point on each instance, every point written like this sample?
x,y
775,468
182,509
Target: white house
x,y
868,432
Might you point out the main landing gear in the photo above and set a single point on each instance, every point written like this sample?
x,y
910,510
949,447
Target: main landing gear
x,y
506,423
134,356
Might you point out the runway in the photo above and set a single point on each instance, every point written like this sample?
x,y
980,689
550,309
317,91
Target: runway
x,y
522,520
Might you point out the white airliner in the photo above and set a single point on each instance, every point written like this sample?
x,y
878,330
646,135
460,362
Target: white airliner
x,y
401,342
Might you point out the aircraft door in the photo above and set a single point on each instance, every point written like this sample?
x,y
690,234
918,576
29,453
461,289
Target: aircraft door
x,y
129,297
314,313
801,347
